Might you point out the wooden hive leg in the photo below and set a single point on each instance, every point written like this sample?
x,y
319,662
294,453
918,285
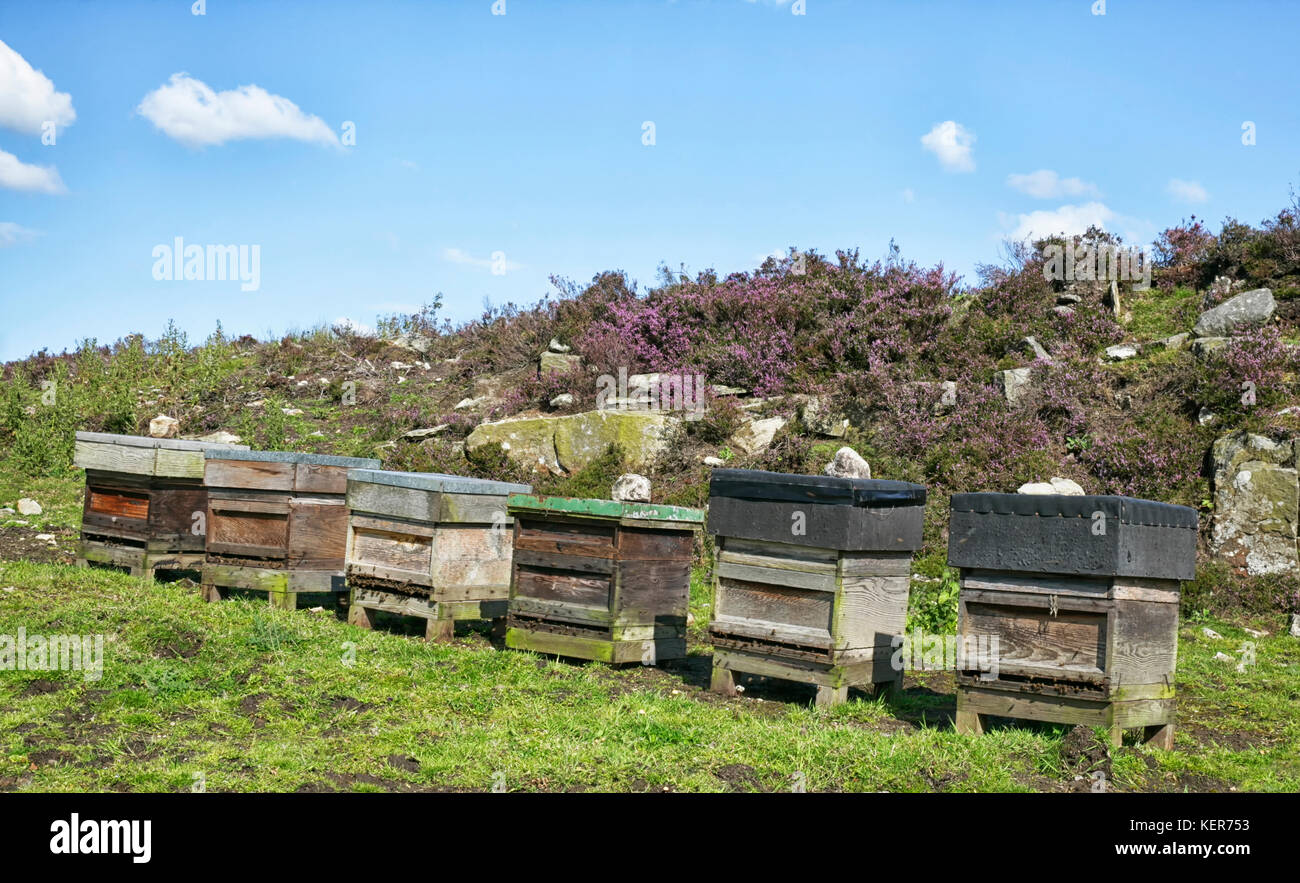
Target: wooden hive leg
x,y
1161,736
968,722
889,689
361,617
440,630
283,600
723,681
1116,736
827,696
209,592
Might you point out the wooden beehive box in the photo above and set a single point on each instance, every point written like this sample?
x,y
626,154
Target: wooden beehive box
x,y
812,576
1070,607
145,501
428,545
277,523
600,579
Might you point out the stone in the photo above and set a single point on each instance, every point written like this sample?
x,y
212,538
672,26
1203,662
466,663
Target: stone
x,y
1031,346
1223,657
45,537
415,343
1211,633
292,412
163,426
557,363
422,434
1067,487
1057,486
1110,300
569,442
719,390
1247,309
756,435
563,400
1039,488
1121,352
1176,342
631,488
1015,383
220,437
1205,417
469,404
947,394
1068,298
1294,631
817,415
848,463
556,347
715,462
28,506
1202,347
1063,312
1256,504
7,511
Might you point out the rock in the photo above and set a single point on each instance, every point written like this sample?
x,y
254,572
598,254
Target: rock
x,y
292,412
715,462
1110,300
396,366
220,437
631,488
1255,633
1057,485
6,511
302,383
256,403
755,435
1223,657
414,343
947,394
1176,342
163,426
1067,298
1211,633
817,415
1256,504
557,347
468,404
28,506
421,434
1202,347
556,363
1247,309
1205,417
45,537
720,390
1294,631
563,400
1031,346
1063,312
1121,352
1015,383
572,441
848,463
1220,290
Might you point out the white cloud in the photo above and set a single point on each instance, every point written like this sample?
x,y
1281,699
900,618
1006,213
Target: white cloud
x,y
1047,184
191,112
460,256
1187,191
1070,220
12,234
952,143
18,175
27,96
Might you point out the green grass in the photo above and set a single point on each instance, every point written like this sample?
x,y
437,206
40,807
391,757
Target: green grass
x,y
1158,314
253,699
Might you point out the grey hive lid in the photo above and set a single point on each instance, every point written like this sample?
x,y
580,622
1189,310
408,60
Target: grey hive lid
x,y
755,484
438,481
144,441
294,457
1127,510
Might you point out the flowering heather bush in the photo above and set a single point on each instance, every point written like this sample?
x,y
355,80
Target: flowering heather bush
x,y
1179,252
1255,364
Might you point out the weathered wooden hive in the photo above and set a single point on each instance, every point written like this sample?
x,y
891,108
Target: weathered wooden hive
x,y
428,545
1068,610
600,579
277,523
145,501
812,576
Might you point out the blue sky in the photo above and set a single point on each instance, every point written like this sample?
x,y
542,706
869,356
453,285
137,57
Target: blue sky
x,y
946,126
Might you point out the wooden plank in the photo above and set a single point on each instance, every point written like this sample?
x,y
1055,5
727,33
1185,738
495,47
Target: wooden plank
x,y
399,555
317,533
638,544
118,504
471,555
393,525
114,458
178,463
1055,645
782,556
1035,583
262,475
560,611
773,607
809,636
813,582
397,502
578,563
244,532
312,478
1145,642
570,588
870,610
565,538
611,509
473,509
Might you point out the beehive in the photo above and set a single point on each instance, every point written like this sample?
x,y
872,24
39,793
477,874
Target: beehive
x,y
145,501
812,576
277,523
428,545
1076,597
600,579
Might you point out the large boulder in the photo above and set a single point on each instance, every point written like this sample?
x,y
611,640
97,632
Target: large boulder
x,y
755,435
557,363
1249,308
1015,383
631,488
1256,503
570,442
163,426
817,414
848,463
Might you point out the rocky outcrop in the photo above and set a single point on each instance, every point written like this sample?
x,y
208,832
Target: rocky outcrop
x,y
755,435
570,442
1256,503
1247,309
1015,383
1057,485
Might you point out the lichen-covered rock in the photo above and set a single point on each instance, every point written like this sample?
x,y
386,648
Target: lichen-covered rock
x,y
631,488
581,438
755,435
817,415
1256,503
1015,383
526,440
163,426
1249,308
848,463
557,363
